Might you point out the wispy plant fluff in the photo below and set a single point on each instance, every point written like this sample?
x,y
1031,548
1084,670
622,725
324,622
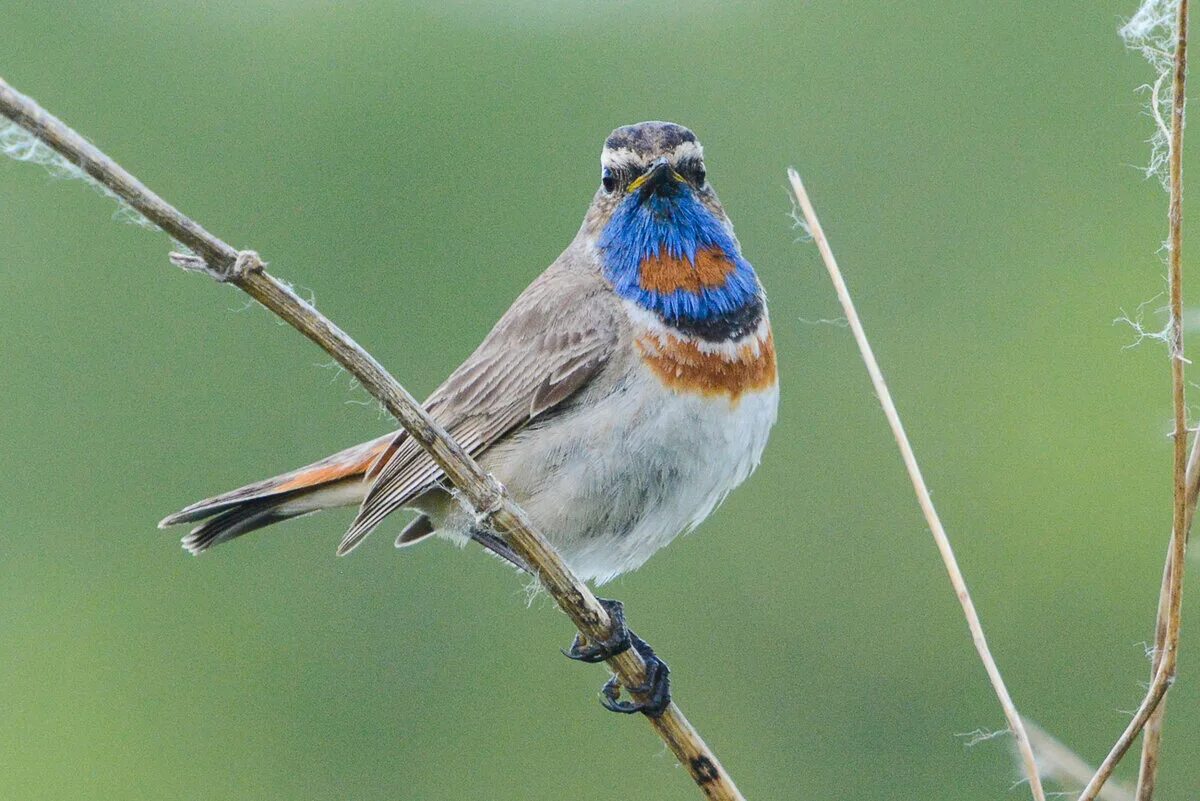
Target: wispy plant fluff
x,y
20,145
1151,32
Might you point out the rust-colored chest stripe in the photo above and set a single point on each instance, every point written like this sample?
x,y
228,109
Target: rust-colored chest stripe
x,y
663,273
682,365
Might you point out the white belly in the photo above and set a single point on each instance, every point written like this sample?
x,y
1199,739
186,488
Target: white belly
x,y
612,483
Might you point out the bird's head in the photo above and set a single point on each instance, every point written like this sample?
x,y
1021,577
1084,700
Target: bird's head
x,y
662,237
653,166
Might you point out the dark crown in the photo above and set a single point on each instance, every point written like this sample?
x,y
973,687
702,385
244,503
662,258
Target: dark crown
x,y
649,138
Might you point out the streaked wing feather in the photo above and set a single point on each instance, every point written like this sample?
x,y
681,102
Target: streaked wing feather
x,y
562,384
552,341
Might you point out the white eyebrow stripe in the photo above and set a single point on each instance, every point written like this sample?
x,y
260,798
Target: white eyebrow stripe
x,y
618,158
621,157
687,150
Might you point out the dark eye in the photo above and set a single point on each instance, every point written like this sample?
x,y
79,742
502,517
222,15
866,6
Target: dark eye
x,y
608,180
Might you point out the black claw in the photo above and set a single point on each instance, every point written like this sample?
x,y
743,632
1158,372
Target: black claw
x,y
657,688
618,642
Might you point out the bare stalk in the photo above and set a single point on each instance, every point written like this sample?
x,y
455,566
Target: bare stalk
x,y
1166,629
1100,782
1149,713
1059,763
1152,734
246,271
918,481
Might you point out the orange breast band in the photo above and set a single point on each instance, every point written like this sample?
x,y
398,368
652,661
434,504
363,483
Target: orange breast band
x,y
682,365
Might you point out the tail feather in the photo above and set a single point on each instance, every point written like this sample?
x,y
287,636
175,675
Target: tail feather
x,y
336,480
233,523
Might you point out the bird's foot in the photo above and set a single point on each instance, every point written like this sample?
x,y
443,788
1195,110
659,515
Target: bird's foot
x,y
657,687
617,642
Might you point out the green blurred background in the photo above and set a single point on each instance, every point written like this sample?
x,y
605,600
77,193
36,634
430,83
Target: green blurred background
x,y
412,168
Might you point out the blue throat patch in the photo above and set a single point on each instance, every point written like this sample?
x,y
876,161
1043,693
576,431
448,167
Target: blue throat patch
x,y
676,225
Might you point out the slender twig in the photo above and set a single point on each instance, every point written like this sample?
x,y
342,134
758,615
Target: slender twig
x,y
1059,754
1166,629
1060,764
1152,735
918,481
495,509
1158,688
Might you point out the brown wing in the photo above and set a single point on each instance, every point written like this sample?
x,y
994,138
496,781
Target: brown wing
x,y
550,343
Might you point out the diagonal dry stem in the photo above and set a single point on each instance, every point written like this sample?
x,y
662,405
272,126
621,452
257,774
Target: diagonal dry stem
x,y
1152,735
244,270
1060,764
1099,780
918,481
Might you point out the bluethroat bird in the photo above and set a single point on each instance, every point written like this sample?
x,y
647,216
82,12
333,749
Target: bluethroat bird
x,y
624,393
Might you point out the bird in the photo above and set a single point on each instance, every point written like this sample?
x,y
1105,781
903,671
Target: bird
x,y
626,391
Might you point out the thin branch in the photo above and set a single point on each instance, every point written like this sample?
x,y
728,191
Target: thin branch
x,y
1158,688
1152,735
918,482
495,509
1060,764
1166,630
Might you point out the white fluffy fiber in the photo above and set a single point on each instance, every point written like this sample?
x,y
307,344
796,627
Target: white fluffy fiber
x,y
20,145
1151,32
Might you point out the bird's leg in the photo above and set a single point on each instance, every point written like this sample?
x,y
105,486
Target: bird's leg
x,y
658,684
498,546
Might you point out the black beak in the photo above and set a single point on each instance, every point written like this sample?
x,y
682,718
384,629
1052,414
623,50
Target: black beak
x,y
658,177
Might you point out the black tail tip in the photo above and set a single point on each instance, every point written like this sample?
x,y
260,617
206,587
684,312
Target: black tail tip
x,y
229,524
